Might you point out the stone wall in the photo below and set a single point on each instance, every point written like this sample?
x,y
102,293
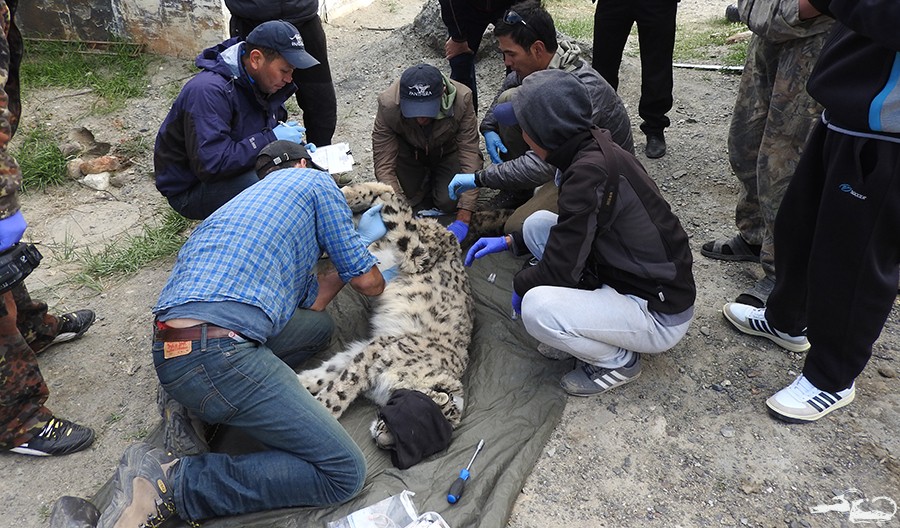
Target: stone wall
x,y
169,27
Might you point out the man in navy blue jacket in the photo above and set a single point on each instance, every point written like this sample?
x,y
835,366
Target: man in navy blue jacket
x,y
837,232
207,146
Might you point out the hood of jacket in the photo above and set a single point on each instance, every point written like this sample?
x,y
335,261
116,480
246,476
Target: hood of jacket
x,y
567,56
447,99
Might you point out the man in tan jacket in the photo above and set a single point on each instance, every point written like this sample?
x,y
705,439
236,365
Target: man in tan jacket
x,y
425,133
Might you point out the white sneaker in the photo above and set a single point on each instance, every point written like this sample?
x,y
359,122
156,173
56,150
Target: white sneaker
x,y
752,321
802,402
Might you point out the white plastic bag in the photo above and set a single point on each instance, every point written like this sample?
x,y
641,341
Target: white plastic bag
x,y
397,511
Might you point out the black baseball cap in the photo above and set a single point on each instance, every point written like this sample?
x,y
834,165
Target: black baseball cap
x,y
421,90
281,152
284,38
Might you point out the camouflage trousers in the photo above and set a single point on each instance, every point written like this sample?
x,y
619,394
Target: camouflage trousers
x,y
772,119
25,329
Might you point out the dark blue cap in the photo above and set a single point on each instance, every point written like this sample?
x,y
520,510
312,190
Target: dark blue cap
x,y
505,115
284,38
421,90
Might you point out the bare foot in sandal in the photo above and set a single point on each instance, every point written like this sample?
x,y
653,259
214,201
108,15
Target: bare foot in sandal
x,y
733,249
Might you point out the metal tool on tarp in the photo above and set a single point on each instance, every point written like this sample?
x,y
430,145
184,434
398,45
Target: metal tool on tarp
x,y
456,490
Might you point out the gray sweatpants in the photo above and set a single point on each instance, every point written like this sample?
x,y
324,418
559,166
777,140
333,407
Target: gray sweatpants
x,y
602,327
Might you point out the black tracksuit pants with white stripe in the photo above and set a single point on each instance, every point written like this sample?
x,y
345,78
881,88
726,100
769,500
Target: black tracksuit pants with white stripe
x,y
837,250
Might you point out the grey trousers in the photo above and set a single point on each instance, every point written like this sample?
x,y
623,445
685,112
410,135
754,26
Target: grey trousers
x,y
602,327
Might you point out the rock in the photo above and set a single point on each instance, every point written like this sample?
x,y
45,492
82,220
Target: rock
x,y
70,148
101,164
727,431
85,137
705,330
98,182
887,372
73,169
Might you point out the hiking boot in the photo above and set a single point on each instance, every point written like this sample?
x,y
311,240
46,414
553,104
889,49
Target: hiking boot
x,y
183,433
59,437
656,146
142,493
73,325
588,380
73,512
802,402
752,321
732,14
552,353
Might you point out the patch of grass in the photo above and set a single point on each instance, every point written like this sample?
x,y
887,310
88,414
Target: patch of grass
x,y
581,28
40,160
129,255
115,73
705,42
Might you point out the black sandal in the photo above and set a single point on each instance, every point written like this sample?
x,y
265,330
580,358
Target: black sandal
x,y
735,249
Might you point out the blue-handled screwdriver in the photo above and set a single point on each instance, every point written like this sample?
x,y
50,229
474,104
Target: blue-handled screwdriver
x,y
456,490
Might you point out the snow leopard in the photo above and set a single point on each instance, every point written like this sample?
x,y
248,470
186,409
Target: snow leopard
x,y
421,325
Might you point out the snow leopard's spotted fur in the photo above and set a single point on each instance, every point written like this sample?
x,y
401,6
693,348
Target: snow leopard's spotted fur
x,y
421,325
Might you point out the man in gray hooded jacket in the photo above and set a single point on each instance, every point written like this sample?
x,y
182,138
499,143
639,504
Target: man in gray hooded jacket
x,y
528,39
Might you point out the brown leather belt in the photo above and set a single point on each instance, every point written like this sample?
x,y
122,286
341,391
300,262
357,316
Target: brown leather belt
x,y
194,333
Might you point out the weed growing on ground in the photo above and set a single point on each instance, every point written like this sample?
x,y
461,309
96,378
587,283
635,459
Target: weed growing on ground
x,y
115,73
133,252
705,42
40,160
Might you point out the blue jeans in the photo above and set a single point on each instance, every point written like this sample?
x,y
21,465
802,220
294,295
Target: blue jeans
x,y
203,199
311,460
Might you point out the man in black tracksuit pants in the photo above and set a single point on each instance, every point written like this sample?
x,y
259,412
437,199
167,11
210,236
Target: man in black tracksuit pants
x,y
315,88
466,21
613,20
837,233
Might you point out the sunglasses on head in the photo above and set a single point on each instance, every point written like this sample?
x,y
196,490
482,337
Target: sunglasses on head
x,y
512,18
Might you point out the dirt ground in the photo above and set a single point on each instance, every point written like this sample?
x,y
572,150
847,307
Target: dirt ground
x,y
687,445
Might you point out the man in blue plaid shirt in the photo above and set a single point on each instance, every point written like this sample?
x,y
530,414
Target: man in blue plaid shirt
x,y
242,308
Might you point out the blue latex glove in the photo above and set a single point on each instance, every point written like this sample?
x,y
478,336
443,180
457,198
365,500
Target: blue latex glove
x,y
310,147
390,274
486,246
494,146
460,184
517,303
371,226
459,229
11,230
289,131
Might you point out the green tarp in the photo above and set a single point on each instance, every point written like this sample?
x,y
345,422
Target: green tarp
x,y
513,402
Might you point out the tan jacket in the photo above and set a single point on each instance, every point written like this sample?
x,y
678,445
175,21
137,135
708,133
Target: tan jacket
x,y
456,125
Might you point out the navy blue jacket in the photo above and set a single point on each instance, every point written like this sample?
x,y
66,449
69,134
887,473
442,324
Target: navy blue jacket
x,y
217,125
857,77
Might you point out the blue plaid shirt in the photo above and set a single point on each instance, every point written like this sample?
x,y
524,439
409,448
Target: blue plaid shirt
x,y
260,249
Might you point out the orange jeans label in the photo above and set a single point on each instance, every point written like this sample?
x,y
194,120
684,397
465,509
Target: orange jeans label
x,y
174,349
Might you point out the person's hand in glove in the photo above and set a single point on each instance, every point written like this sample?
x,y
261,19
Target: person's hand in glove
x,y
494,146
486,246
290,131
517,303
310,147
459,229
11,230
371,226
460,184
